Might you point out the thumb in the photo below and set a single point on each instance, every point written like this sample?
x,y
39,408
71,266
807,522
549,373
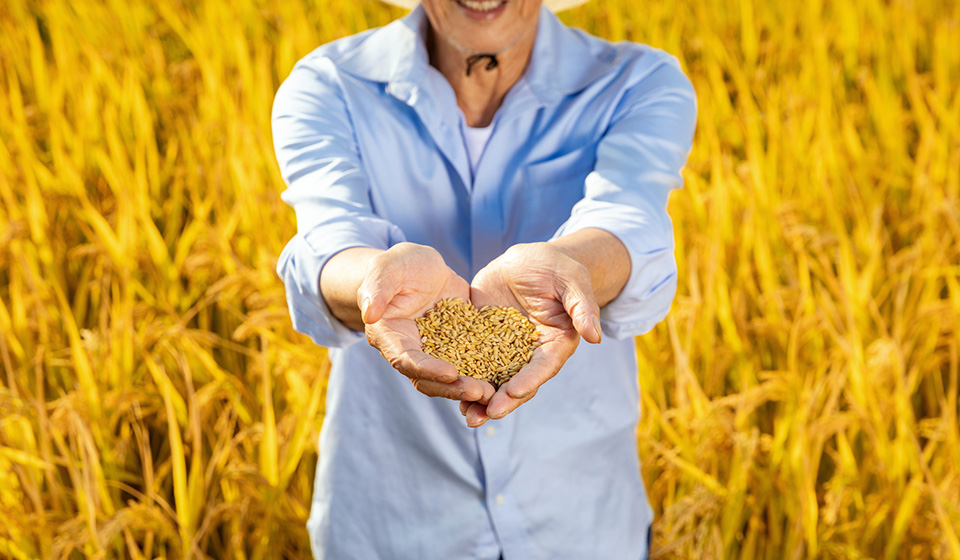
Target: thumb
x,y
579,302
375,293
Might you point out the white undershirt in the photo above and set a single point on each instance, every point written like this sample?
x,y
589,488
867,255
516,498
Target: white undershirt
x,y
475,139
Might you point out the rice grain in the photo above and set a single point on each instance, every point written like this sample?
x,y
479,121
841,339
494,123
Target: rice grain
x,y
491,344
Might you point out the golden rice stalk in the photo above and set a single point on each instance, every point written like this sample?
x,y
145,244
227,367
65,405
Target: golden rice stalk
x,y
801,400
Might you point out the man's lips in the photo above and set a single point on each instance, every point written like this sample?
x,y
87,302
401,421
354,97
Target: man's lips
x,y
482,9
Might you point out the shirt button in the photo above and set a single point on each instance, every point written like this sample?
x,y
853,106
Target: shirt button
x,y
500,499
490,431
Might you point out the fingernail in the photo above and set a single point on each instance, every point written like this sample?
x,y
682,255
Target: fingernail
x,y
364,304
597,329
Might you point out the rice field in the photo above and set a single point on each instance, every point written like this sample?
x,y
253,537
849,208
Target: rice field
x,y
800,401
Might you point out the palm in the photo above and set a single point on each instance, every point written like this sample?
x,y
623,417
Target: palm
x,y
422,291
395,296
550,289
532,291
416,298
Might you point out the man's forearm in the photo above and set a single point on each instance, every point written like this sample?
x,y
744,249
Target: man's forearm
x,y
339,281
603,255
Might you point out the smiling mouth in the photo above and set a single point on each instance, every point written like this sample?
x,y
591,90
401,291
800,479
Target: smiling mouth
x,y
481,6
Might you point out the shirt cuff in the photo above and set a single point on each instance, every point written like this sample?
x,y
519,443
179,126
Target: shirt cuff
x,y
300,265
648,236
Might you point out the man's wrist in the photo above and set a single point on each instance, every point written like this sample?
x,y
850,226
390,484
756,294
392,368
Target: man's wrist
x,y
605,257
340,278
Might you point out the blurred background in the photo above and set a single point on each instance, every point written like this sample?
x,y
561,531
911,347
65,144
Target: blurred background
x,y
799,401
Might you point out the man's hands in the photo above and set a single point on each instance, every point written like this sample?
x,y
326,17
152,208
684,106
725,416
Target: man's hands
x,y
399,285
556,293
558,285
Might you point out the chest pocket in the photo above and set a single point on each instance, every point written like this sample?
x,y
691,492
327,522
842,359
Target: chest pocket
x,y
550,189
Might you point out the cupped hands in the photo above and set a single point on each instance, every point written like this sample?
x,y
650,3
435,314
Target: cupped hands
x,y
551,288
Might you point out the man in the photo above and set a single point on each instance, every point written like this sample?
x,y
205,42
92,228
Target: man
x,y
483,141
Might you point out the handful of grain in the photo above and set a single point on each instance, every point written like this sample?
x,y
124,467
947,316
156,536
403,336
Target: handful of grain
x,y
490,344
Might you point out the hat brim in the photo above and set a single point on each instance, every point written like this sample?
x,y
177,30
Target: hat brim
x,y
552,5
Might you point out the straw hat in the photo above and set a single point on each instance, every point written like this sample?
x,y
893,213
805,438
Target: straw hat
x,y
553,5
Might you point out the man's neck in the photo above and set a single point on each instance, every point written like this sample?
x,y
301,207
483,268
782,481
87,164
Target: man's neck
x,y
480,94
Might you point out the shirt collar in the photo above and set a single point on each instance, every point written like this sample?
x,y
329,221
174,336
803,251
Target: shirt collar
x,y
564,60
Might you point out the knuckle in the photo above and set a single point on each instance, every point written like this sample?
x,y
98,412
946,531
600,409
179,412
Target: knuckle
x,y
419,385
373,271
396,361
415,248
427,388
515,252
428,250
418,362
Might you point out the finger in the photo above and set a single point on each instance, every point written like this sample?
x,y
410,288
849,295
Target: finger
x,y
579,302
405,354
480,297
463,389
487,289
419,365
546,363
488,392
476,415
456,287
375,293
373,300
502,404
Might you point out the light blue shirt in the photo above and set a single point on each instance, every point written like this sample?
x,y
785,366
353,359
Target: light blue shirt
x,y
368,137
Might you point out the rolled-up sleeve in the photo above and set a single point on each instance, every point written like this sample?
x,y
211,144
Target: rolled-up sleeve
x,y
639,160
318,157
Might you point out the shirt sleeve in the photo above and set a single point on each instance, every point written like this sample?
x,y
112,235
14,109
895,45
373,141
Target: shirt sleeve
x,y
638,163
326,186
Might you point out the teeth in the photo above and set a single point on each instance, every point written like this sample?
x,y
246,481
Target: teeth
x,y
482,5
